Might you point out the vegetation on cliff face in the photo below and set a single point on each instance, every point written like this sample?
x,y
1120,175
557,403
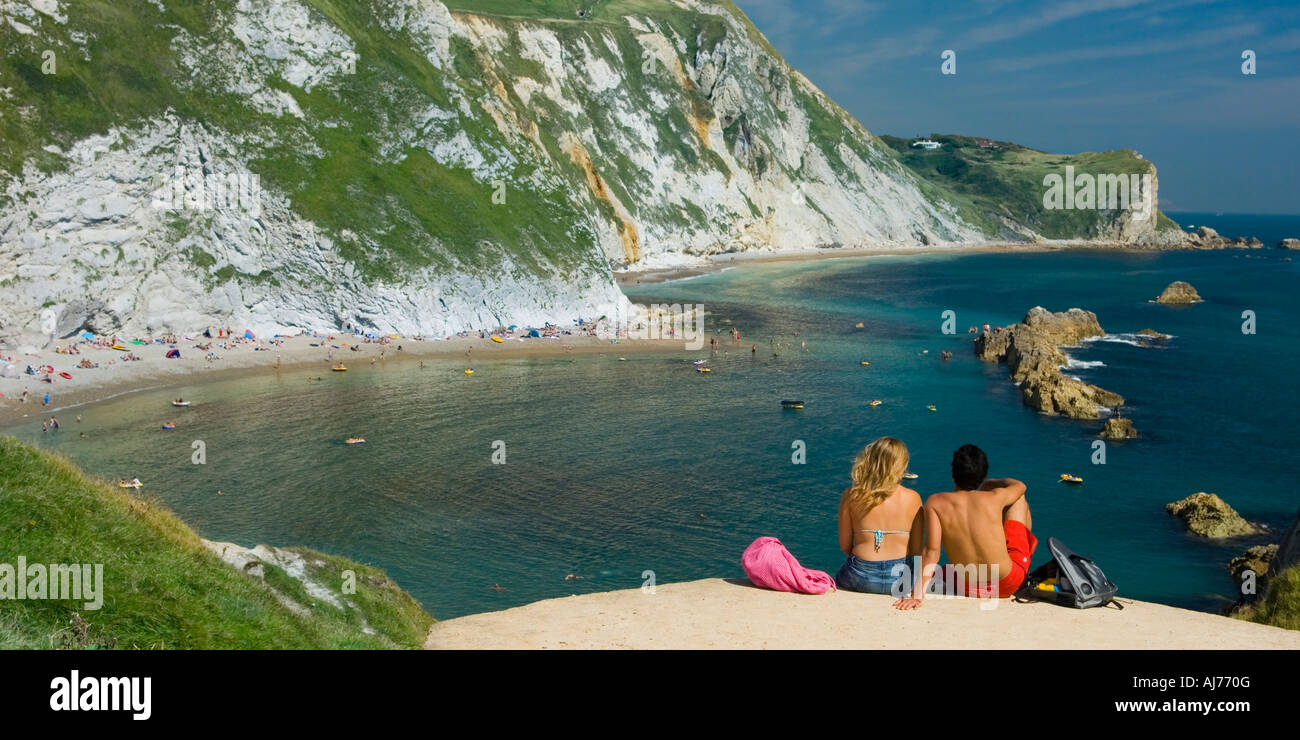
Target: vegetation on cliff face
x,y
1280,605
999,185
427,159
162,588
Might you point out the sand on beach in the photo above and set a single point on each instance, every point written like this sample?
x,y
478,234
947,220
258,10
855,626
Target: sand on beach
x,y
115,376
717,262
732,614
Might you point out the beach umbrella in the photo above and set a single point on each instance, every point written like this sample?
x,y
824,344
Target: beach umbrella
x,y
87,335
248,334
173,354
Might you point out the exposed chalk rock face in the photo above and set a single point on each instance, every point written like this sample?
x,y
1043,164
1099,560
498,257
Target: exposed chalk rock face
x,y
103,257
418,169
1179,292
1032,352
1208,515
1118,428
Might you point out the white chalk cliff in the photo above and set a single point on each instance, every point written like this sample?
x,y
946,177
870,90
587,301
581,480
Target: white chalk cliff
x,y
418,169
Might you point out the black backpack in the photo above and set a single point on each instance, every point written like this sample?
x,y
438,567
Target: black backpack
x,y
1077,579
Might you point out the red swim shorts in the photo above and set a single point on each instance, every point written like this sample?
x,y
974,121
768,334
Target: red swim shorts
x,y
1021,544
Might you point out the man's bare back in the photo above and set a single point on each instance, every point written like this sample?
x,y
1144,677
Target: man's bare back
x,y
970,524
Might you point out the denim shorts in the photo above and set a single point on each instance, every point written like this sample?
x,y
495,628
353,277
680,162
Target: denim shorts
x,y
874,576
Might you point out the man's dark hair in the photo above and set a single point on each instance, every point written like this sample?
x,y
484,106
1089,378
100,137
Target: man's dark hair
x,y
969,467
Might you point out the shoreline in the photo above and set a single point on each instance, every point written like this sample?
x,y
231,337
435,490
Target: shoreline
x,y
115,377
718,262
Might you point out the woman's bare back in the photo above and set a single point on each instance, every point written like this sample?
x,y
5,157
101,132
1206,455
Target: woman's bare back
x,y
896,514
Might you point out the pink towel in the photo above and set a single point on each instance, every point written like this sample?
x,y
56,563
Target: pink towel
x,y
769,565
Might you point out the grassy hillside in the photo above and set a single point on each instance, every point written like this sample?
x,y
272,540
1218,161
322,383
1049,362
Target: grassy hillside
x,y
1280,606
161,587
1006,180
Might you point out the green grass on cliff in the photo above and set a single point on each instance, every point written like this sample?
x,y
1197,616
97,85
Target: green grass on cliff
x,y
162,588
1280,606
985,183
358,164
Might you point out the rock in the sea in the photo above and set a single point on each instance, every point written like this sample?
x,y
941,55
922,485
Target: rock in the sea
x,y
1117,428
1206,238
1256,559
1289,244
1179,292
1153,334
1031,351
1210,516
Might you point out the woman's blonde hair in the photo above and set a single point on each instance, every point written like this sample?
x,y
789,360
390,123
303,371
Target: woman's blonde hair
x,y
877,472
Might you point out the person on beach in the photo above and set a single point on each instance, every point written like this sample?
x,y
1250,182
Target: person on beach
x,y
880,521
983,525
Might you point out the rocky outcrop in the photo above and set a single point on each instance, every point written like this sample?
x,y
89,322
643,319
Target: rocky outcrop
x,y
1289,244
1179,292
1153,334
1117,428
1256,559
1206,238
1208,515
1032,352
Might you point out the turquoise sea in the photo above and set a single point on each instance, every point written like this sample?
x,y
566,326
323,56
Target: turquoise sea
x,y
617,468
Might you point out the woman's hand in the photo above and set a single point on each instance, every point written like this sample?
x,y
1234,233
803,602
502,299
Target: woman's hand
x,y
907,605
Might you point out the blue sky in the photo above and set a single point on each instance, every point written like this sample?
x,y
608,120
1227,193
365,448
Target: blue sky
x,y
1163,77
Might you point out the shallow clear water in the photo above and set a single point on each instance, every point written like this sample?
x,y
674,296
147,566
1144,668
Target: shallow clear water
x,y
615,468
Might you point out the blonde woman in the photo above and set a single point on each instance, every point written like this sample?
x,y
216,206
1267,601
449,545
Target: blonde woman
x,y
880,522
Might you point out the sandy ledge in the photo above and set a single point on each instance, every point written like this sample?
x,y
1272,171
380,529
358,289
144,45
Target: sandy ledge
x,y
727,614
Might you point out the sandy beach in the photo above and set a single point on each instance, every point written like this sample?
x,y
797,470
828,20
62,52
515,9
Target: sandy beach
x,y
295,355
732,614
716,262
114,376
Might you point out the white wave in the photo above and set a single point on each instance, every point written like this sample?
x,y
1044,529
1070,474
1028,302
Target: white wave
x,y
1073,364
1137,340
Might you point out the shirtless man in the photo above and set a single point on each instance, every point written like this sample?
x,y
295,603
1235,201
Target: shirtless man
x,y
984,525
